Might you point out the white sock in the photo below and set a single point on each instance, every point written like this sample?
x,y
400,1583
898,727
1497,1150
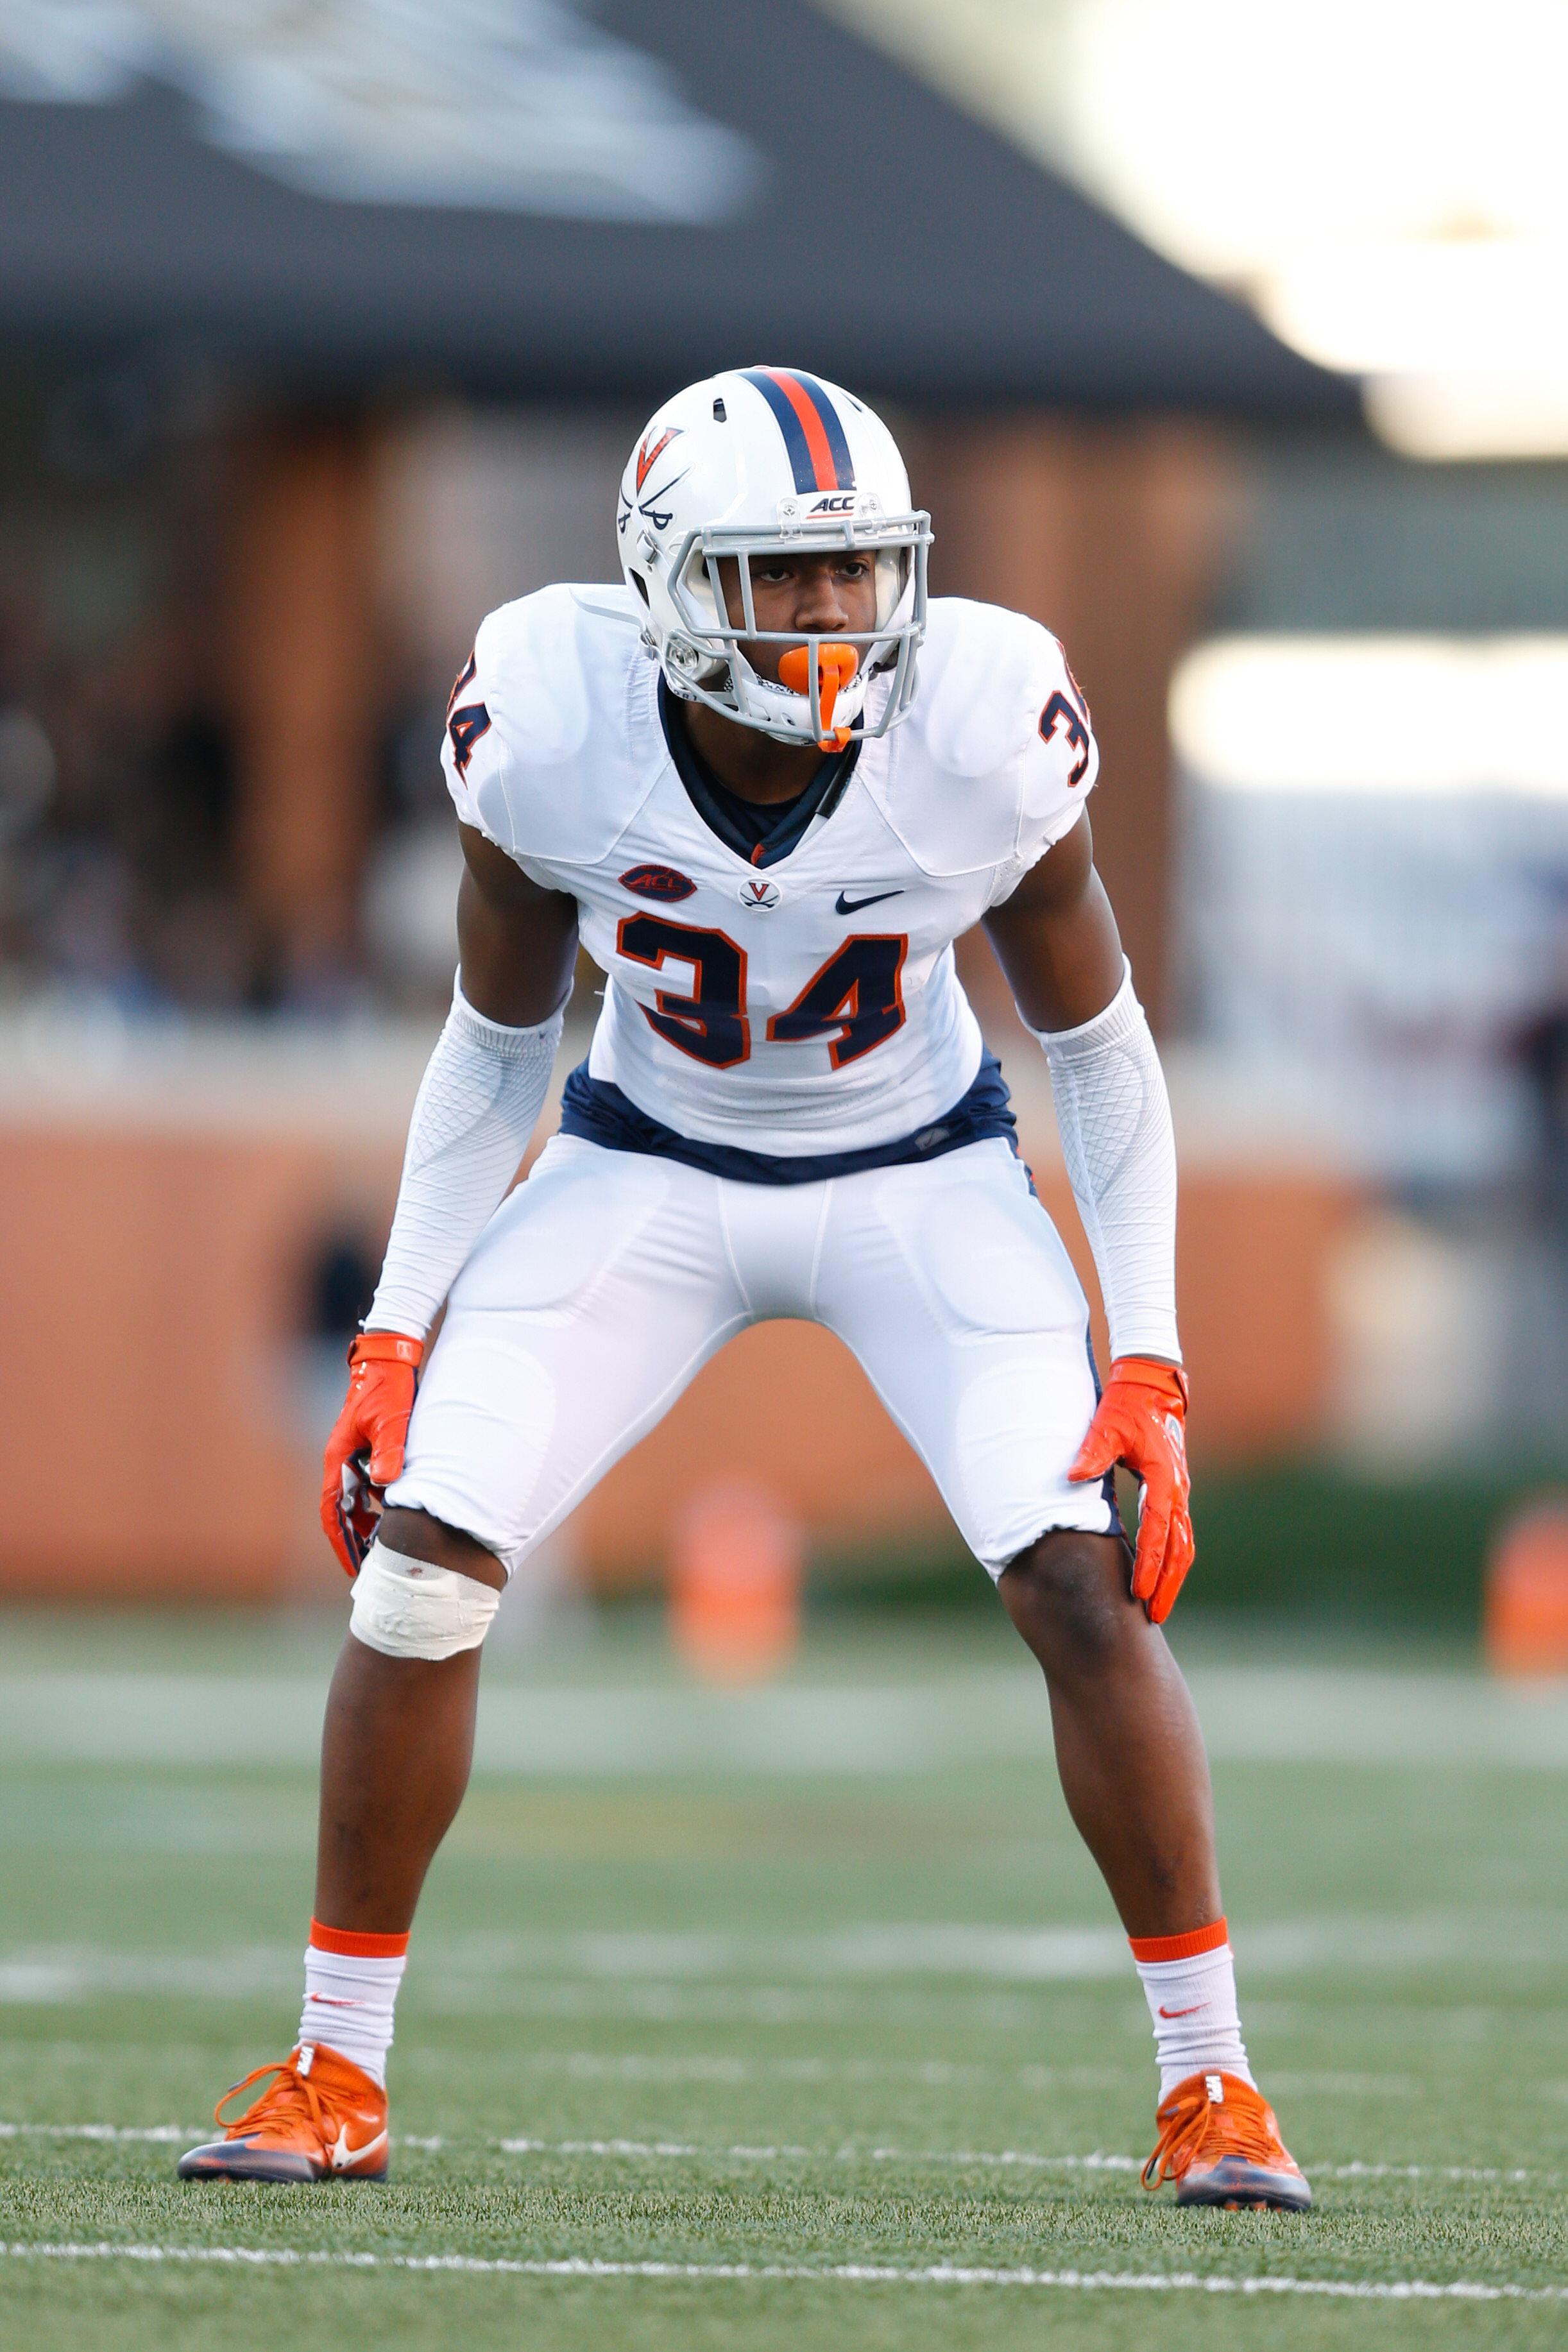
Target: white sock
x,y
1192,2005
349,2001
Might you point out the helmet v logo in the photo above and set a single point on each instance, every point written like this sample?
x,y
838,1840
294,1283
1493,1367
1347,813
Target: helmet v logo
x,y
648,459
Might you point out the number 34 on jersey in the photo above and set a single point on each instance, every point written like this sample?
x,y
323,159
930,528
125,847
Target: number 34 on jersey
x,y
854,1001
750,1001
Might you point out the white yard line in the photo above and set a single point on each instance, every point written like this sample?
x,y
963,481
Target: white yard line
x,y
750,2152
845,2155
932,1722
592,2065
528,1969
1098,2161
94,2131
722,2069
947,2274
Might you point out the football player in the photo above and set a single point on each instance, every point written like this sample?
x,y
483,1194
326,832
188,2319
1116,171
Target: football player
x,y
766,785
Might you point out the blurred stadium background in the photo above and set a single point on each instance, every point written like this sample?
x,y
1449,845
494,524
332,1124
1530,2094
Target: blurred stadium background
x,y
1228,340
323,332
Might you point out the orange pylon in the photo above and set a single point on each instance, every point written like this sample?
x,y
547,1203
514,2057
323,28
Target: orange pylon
x,y
734,1587
1526,1617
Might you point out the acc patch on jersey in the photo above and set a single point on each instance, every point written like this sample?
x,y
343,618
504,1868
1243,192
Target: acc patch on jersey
x,y
658,882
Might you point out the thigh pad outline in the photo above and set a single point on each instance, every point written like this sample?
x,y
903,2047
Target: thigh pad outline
x,y
987,1259
558,1237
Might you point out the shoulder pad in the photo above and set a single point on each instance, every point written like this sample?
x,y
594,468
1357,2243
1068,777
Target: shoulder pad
x,y
998,756
542,742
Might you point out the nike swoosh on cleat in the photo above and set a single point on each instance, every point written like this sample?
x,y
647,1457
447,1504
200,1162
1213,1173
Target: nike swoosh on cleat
x,y
843,905
1183,2012
343,2155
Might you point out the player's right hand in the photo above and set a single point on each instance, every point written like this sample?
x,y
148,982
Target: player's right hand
x,y
365,1449
1140,1420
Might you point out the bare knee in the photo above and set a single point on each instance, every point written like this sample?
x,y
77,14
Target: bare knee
x,y
1070,1595
418,1535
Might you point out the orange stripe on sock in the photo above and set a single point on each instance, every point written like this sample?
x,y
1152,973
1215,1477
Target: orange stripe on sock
x,y
351,1945
1189,1946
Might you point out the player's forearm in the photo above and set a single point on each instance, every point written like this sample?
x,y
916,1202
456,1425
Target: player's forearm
x,y
477,1107
1114,1117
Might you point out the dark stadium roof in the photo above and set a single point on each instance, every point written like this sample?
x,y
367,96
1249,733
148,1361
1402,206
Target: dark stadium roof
x,y
845,217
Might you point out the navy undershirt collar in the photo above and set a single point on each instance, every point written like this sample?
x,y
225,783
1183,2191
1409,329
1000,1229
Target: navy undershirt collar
x,y
760,832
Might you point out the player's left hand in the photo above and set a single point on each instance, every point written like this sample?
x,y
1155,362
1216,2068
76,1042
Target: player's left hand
x,y
1142,1421
365,1452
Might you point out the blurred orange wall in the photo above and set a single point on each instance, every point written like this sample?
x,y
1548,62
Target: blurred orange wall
x,y
150,1446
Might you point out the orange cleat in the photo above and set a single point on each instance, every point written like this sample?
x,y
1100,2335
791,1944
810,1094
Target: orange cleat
x,y
320,2118
1221,2146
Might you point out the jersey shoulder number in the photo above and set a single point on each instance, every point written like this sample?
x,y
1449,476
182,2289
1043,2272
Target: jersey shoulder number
x,y
536,752
466,721
998,754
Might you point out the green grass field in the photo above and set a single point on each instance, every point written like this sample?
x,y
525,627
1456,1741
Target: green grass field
x,y
742,1997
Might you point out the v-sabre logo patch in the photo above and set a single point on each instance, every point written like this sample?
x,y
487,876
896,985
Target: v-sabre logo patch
x,y
664,882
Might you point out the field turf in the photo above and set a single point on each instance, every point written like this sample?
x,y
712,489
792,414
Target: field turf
x,y
786,2018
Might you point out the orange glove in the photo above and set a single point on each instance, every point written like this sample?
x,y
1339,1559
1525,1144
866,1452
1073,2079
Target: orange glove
x,y
364,1451
1142,1421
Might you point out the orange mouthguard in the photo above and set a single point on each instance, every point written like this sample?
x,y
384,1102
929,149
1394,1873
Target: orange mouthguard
x,y
836,666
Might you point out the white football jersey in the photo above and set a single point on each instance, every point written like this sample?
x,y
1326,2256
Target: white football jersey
x,y
803,1003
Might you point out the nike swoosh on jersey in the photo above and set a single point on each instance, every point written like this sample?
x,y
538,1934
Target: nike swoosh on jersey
x,y
843,905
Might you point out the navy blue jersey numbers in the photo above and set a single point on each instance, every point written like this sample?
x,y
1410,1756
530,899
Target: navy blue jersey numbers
x,y
855,1001
1059,714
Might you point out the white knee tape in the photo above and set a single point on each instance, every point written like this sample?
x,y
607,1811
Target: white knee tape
x,y
411,1609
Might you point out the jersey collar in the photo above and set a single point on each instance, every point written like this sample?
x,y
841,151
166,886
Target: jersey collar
x,y
820,798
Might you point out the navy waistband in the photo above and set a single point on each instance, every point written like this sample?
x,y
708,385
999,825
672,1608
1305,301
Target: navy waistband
x,y
600,1113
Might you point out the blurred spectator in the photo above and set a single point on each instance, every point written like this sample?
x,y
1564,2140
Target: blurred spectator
x,y
338,1280
413,870
116,833
129,840
1542,1045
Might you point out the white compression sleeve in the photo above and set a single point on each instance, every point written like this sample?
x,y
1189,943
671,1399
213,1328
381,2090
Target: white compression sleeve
x,y
475,1111
1114,1117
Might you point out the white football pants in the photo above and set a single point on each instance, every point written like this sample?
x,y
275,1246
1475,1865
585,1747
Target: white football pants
x,y
608,1278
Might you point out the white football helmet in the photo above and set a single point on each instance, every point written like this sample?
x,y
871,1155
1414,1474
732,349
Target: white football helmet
x,y
759,460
